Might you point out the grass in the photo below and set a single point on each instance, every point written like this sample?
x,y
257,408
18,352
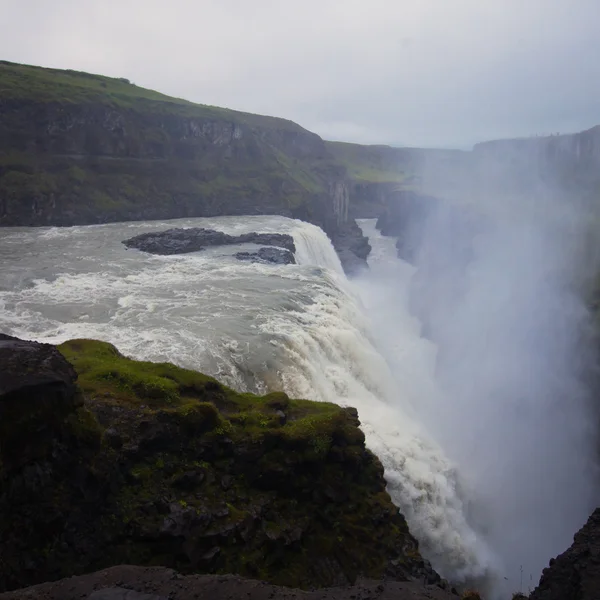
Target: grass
x,y
107,376
103,370
79,148
374,164
42,85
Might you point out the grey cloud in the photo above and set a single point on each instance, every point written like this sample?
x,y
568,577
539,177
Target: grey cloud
x,y
416,72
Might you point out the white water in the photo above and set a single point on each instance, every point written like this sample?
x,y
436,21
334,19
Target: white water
x,y
302,328
314,248
333,355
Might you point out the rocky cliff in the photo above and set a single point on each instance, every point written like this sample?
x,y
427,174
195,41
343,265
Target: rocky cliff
x,y
581,149
564,165
575,574
106,461
77,148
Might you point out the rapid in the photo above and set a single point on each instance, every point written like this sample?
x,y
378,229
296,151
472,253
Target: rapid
x,y
304,329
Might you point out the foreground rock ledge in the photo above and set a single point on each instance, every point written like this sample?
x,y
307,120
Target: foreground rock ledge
x,y
149,464
142,583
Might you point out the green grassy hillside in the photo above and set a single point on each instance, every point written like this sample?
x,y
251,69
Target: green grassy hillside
x,y
83,148
373,164
27,83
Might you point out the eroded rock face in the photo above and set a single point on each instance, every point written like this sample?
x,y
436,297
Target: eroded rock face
x,y
268,255
194,239
352,247
97,162
574,574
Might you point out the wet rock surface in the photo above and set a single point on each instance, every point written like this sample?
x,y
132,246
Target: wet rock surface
x,y
141,583
268,255
352,247
194,239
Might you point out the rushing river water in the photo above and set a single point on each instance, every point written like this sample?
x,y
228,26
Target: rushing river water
x,y
302,328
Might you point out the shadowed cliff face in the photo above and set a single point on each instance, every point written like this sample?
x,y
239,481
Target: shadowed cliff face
x,y
582,148
149,131
575,574
146,463
68,164
565,165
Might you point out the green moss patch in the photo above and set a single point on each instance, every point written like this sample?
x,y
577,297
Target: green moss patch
x,y
103,371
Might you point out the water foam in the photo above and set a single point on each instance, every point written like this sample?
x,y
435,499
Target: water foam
x,y
332,356
314,248
302,328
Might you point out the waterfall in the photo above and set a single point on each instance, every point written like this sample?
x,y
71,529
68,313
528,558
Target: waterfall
x,y
328,353
301,328
313,247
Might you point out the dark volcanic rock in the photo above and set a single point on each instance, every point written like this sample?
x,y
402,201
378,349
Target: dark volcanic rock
x,y
37,391
157,583
47,475
119,593
27,365
268,255
161,465
181,241
352,247
574,574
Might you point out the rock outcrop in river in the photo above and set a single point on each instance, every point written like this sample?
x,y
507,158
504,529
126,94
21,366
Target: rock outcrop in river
x,y
194,239
106,460
268,255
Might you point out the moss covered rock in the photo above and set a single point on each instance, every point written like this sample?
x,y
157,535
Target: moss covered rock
x,y
165,466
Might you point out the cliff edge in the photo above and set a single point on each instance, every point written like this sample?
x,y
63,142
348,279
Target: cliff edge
x,y
106,461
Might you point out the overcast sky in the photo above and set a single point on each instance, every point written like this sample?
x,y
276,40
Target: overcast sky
x,y
401,72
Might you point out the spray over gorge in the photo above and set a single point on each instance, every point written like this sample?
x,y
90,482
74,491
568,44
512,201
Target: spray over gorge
x,y
466,364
